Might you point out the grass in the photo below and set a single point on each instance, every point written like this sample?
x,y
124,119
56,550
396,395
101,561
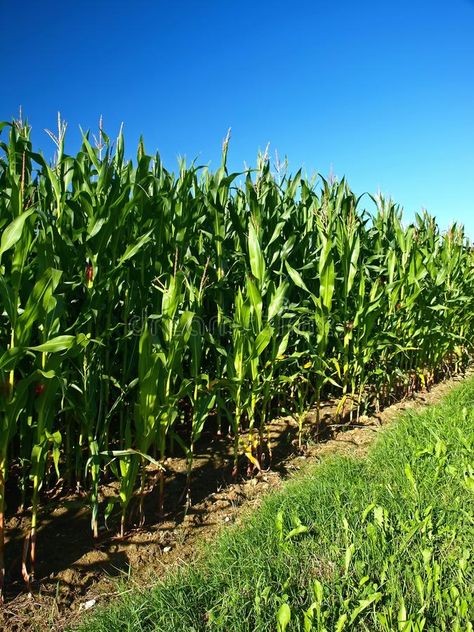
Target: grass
x,y
380,543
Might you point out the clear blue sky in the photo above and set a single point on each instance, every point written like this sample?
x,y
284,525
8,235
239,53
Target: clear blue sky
x,y
381,91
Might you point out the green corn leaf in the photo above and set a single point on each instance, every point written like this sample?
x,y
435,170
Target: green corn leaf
x,y
262,341
132,250
296,277
363,605
60,343
257,263
283,617
12,233
326,274
277,301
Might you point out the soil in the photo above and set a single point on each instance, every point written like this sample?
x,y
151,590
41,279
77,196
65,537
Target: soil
x,y
75,574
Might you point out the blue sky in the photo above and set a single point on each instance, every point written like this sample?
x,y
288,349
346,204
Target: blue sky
x,y
382,92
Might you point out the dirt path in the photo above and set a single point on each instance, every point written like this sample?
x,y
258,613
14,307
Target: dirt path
x,y
74,575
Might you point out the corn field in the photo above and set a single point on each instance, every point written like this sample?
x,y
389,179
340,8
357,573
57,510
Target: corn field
x,y
141,307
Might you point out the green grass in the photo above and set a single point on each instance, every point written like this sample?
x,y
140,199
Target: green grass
x,y
381,543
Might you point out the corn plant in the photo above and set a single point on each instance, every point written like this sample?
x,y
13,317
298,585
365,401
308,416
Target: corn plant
x,y
142,306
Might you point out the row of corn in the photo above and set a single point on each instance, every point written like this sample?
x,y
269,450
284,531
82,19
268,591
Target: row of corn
x,y
140,308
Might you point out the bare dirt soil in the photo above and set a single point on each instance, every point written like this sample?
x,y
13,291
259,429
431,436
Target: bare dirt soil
x,y
74,574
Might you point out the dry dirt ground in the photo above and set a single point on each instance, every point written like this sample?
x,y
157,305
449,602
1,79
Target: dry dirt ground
x,y
73,574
